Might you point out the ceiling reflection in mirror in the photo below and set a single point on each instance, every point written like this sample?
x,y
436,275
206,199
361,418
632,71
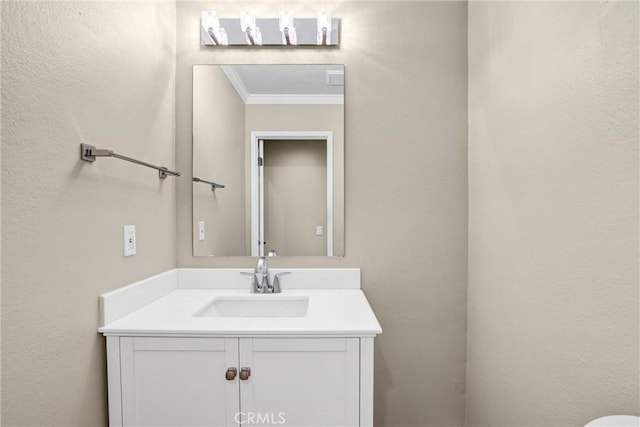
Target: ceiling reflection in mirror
x,y
268,160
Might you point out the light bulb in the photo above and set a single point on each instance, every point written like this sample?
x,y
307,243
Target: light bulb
x,y
247,20
210,21
324,20
286,20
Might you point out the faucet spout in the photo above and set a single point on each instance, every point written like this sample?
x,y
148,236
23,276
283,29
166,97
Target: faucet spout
x,y
262,276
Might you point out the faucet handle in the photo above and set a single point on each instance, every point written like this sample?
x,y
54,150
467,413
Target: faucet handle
x,y
276,281
254,282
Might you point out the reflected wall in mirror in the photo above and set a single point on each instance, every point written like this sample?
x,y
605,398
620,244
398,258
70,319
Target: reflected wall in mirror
x,y
273,136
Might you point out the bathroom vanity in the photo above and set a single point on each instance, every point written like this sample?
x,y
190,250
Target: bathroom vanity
x,y
195,347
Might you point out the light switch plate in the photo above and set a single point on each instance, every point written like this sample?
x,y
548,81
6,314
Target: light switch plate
x,y
319,230
129,240
201,231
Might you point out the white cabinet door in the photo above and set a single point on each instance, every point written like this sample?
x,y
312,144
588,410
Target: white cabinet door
x,y
178,381
300,382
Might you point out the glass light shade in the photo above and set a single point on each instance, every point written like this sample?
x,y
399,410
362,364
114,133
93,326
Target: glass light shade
x,y
324,27
210,21
247,20
324,20
286,20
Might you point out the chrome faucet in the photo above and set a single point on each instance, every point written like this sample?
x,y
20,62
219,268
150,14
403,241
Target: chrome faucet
x,y
261,274
261,283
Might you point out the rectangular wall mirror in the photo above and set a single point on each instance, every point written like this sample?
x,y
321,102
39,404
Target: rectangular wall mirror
x,y
268,160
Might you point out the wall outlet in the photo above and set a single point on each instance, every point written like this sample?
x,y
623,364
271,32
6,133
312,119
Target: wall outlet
x,y
129,240
201,231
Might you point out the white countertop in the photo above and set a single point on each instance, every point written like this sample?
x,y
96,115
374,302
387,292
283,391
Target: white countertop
x,y
331,312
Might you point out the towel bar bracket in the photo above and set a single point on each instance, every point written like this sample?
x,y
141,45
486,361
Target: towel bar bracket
x,y
89,152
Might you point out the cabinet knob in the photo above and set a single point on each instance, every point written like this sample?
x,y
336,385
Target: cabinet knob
x,y
245,373
231,373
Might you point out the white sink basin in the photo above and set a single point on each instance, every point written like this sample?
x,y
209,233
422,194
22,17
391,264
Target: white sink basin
x,y
255,306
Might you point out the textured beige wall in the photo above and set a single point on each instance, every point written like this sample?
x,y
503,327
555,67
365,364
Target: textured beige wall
x,y
219,146
304,118
553,223
72,72
405,184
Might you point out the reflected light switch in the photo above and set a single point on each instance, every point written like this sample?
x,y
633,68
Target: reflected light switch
x,y
129,240
201,230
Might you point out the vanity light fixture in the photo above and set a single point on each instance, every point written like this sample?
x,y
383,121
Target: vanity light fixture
x,y
324,27
251,31
211,24
247,30
287,29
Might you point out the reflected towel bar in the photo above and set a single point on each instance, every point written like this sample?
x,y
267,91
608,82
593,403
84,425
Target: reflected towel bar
x,y
89,154
212,184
